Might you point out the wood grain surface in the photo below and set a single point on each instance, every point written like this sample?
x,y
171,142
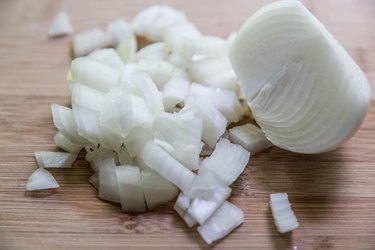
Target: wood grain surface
x,y
333,194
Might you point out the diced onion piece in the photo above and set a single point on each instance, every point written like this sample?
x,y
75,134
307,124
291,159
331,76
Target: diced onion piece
x,y
215,72
64,143
181,205
214,123
226,218
87,97
63,119
94,180
90,40
60,25
159,71
164,164
250,137
226,101
41,179
125,112
174,92
155,51
183,201
130,189
305,91
54,159
285,219
227,161
175,35
137,139
152,21
202,209
190,222
94,74
108,186
183,131
127,49
126,72
145,87
108,56
157,190
88,126
119,30
205,185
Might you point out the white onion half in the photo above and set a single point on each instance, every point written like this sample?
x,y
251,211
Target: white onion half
x,y
305,91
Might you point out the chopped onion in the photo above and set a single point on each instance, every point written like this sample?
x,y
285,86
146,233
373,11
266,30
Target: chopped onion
x,y
181,206
64,143
227,161
222,222
108,56
130,189
152,21
54,159
250,137
60,25
119,30
159,71
164,164
214,123
174,92
64,121
94,74
157,190
183,131
137,139
283,215
41,179
108,186
190,222
155,51
202,209
215,72
90,40
226,101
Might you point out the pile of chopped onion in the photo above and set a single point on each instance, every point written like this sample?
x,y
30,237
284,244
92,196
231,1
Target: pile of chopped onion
x,y
147,116
154,120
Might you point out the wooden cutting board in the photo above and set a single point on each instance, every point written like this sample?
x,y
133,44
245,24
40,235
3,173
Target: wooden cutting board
x,y
333,194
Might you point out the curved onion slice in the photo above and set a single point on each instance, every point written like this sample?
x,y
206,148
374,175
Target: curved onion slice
x,y
305,91
41,179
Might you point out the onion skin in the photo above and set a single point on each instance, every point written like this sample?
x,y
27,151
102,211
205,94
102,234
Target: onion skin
x,y
305,91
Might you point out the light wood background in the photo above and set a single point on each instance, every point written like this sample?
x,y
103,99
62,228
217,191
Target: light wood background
x,y
332,194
